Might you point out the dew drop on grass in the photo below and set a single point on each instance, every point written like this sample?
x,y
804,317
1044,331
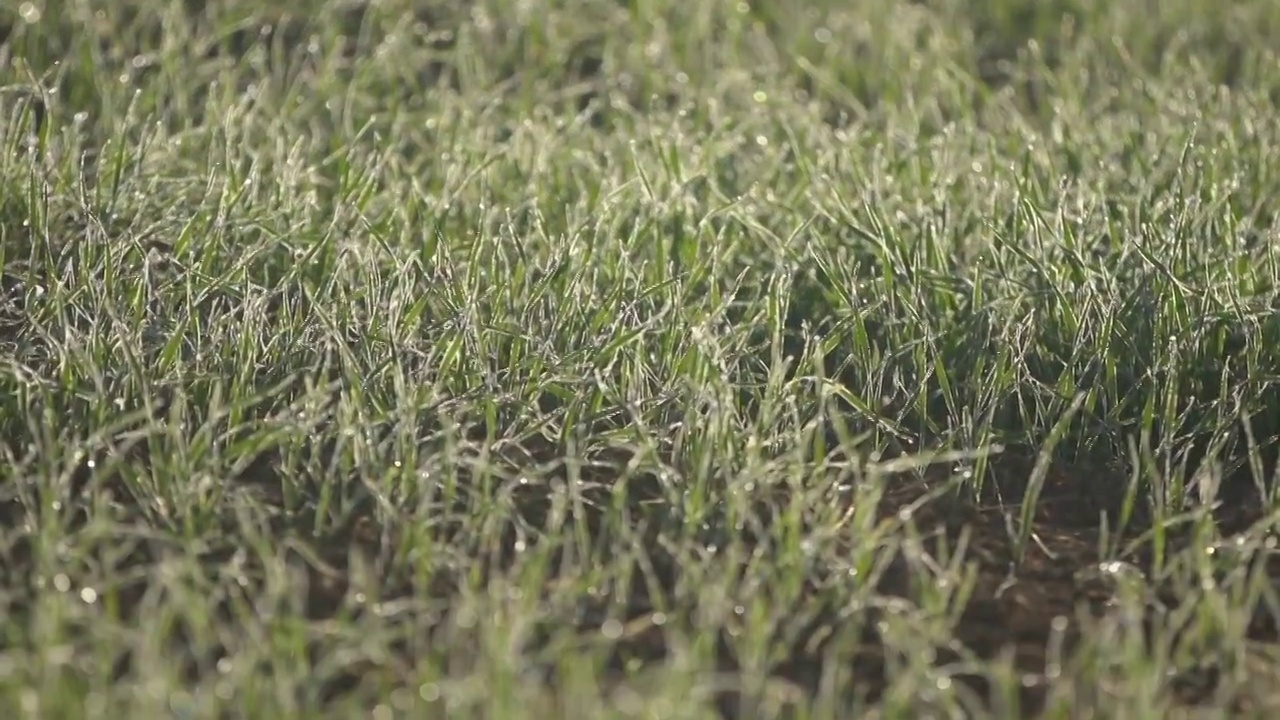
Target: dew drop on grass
x,y
61,582
658,619
89,595
611,629
1123,571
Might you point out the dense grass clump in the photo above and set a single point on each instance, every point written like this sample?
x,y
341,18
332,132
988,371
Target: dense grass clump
x,y
599,358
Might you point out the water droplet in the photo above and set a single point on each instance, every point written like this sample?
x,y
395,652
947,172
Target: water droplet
x,y
611,629
89,595
61,582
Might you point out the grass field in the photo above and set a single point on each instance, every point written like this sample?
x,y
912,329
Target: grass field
x,y
639,359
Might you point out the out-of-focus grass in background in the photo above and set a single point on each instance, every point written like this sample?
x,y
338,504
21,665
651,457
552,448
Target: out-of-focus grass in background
x,y
638,359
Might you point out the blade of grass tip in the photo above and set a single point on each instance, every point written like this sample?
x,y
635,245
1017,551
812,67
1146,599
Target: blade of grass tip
x,y
1040,472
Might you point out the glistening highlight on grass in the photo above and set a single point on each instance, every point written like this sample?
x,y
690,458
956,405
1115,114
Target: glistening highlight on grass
x,y
639,359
